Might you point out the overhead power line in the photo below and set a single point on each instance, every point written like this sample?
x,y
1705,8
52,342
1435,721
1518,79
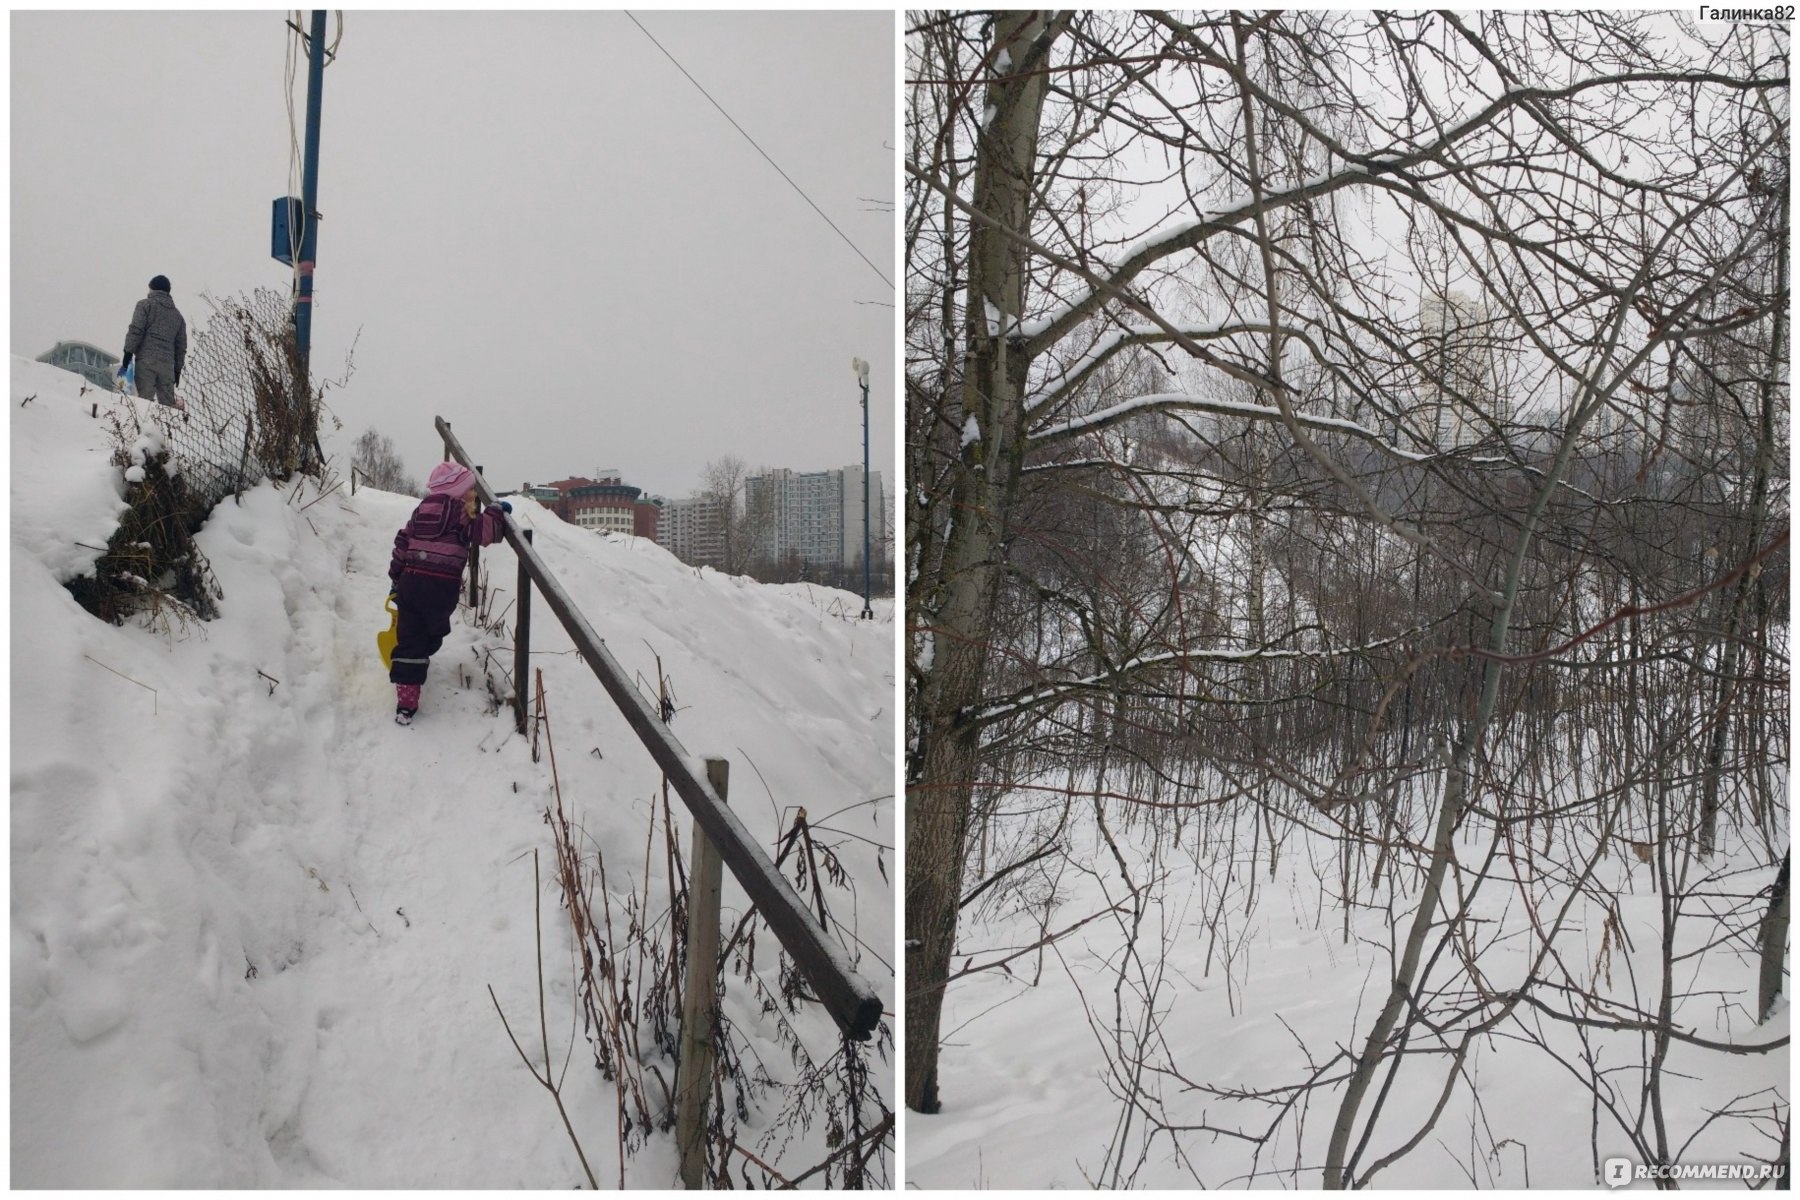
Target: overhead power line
x,y
760,150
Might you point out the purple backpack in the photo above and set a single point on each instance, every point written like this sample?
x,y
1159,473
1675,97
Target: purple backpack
x,y
436,540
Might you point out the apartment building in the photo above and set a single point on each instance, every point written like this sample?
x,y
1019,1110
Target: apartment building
x,y
816,516
693,530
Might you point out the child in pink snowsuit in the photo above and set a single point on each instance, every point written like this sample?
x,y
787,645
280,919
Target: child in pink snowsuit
x,y
430,552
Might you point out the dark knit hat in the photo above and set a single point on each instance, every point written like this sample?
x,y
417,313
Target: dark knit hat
x,y
160,284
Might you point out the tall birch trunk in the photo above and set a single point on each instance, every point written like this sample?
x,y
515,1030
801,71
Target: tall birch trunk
x,y
939,799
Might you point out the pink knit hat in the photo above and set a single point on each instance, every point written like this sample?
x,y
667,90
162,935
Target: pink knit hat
x,y
450,479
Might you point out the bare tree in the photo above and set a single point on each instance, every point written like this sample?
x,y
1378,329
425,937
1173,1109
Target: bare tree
x,y
746,522
1214,503
376,460
722,483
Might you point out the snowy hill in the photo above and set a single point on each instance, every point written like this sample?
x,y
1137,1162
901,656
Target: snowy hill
x,y
254,922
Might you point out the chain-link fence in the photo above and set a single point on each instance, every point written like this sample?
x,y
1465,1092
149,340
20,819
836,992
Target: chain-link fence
x,y
245,420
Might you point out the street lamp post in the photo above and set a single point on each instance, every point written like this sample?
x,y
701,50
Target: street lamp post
x,y
862,379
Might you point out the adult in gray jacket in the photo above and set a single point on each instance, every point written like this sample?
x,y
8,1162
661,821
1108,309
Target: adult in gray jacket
x,y
158,339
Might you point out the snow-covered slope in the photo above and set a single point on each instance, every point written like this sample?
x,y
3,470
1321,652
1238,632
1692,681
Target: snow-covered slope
x,y
1174,1054
254,921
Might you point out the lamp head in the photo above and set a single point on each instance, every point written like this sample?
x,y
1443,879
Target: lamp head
x,y
862,371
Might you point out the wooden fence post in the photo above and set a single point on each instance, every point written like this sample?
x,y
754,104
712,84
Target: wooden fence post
x,y
475,563
699,997
522,640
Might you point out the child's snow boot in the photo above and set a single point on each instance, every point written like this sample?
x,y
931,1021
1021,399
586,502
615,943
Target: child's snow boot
x,y
408,696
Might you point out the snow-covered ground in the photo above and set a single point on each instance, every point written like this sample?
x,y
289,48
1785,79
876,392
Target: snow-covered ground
x,y
1245,982
254,921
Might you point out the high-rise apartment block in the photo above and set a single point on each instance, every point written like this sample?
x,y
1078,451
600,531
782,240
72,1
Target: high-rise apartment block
x,y
1461,361
693,530
816,516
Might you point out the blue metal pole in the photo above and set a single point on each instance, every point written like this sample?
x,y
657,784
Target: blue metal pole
x,y
867,612
309,189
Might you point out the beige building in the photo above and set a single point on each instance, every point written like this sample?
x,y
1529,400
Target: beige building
x,y
692,530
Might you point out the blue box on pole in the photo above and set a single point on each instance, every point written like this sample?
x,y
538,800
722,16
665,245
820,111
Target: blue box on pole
x,y
287,228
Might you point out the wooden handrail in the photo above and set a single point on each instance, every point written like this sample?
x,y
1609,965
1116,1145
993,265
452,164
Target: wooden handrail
x,y
849,998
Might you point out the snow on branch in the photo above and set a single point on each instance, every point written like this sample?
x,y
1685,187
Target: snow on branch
x,y
1109,344
1006,706
1050,327
1072,464
1181,402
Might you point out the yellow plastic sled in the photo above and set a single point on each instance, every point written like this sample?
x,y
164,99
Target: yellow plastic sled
x,y
384,641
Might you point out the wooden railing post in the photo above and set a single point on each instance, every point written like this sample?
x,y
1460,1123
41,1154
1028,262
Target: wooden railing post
x,y
475,560
522,640
699,997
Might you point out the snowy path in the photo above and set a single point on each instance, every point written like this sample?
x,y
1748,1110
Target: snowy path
x,y
254,922
320,1021
396,906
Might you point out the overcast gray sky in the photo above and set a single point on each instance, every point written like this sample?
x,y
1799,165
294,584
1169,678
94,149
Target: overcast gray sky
x,y
541,230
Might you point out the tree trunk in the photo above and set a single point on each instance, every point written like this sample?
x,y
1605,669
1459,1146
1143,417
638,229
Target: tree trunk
x,y
1732,631
938,800
1774,945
